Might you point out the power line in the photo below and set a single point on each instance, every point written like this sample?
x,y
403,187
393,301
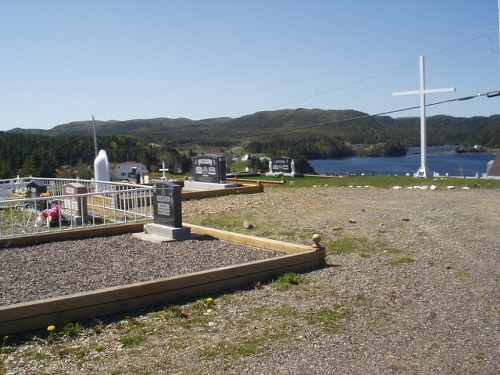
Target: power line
x,y
487,94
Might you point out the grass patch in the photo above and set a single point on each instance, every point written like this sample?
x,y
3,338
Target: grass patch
x,y
462,275
380,181
396,367
190,314
290,278
362,246
330,319
224,221
243,348
132,340
362,299
287,311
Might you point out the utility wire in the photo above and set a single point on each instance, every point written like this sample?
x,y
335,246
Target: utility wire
x,y
487,94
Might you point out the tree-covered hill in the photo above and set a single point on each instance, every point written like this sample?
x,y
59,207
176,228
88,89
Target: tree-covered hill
x,y
348,125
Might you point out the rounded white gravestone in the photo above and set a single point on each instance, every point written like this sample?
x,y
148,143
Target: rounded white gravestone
x,y
101,169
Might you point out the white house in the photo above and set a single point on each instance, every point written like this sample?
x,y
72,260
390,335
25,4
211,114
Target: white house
x,y
121,171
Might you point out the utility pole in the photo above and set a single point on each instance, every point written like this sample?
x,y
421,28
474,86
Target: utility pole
x,y
95,137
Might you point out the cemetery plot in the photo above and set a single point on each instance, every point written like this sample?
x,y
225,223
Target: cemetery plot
x,y
109,275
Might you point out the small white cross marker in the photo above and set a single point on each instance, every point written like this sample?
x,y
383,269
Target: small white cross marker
x,y
163,169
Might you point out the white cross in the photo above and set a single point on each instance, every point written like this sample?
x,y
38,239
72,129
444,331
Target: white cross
x,y
163,169
422,171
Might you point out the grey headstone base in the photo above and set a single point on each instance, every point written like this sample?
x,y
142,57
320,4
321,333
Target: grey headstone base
x,y
162,233
196,185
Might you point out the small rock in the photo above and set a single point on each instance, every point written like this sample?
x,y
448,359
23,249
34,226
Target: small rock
x,y
352,221
247,224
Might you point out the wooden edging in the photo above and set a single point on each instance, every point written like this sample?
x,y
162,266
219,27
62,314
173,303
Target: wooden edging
x,y
74,234
243,189
255,182
87,305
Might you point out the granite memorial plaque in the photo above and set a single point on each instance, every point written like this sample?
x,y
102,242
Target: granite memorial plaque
x,y
167,207
210,168
282,165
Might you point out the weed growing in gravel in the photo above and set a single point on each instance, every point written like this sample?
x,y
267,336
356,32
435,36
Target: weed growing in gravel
x,y
362,299
71,329
330,319
193,313
4,346
132,340
287,311
362,246
288,279
462,275
244,347
396,367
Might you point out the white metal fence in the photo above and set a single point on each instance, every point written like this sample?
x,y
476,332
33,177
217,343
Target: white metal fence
x,y
38,205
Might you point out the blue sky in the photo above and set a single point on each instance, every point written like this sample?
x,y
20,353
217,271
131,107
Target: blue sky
x,y
65,60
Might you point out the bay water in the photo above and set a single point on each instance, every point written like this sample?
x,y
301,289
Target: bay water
x,y
440,159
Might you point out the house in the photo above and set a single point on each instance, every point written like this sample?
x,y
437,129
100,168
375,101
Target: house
x,y
121,171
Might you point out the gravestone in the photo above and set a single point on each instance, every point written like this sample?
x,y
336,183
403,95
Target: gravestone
x,y
209,172
167,205
210,168
283,165
35,188
167,210
76,205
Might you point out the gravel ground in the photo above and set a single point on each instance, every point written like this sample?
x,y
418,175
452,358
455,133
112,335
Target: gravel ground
x,y
60,268
410,287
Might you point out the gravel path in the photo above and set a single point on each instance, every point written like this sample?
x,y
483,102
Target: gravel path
x,y
410,287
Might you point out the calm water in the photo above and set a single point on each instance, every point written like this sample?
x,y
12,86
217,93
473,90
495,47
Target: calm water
x,y
452,163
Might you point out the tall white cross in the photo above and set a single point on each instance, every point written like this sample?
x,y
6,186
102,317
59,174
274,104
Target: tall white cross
x,y
163,170
422,171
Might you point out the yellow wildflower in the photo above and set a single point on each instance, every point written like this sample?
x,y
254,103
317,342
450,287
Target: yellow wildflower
x,y
51,328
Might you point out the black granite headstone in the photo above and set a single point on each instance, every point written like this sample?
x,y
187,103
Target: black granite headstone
x,y
35,188
282,165
167,206
210,168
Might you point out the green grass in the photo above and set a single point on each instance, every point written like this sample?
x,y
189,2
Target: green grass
x,y
359,245
132,340
249,345
381,181
330,318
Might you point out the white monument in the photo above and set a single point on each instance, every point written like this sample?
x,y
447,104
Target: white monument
x,y
423,171
101,170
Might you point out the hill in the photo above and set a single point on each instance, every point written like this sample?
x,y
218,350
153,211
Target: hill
x,y
349,125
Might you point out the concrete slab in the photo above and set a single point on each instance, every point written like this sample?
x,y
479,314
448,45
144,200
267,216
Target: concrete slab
x,y
196,185
162,233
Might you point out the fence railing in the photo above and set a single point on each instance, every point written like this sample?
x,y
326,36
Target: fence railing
x,y
38,205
